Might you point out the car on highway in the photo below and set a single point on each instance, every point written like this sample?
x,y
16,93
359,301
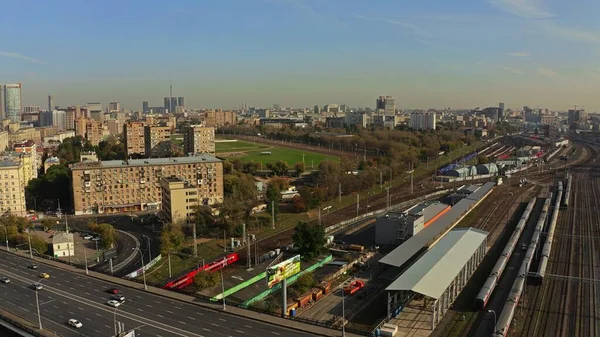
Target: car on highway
x,y
113,303
45,275
75,323
119,297
32,266
113,291
88,237
36,286
4,279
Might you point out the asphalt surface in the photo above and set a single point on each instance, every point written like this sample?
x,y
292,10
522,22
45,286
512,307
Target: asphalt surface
x,y
145,232
67,295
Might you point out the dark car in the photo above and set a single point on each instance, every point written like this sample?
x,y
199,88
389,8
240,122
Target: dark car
x,y
32,266
119,297
113,291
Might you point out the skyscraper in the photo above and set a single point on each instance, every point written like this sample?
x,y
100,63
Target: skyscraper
x,y
114,106
2,110
173,104
387,104
168,103
180,102
50,103
13,102
59,119
501,112
145,108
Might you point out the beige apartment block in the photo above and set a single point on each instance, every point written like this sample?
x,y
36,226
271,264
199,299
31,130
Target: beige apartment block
x,y
134,138
3,140
94,131
157,140
12,188
117,186
179,199
216,118
199,139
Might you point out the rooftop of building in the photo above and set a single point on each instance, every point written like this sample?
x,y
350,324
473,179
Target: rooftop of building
x,y
433,273
62,238
201,158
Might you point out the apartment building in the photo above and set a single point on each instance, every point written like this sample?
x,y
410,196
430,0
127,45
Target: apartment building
x,y
12,187
216,118
24,135
94,132
115,127
179,200
157,140
3,140
198,139
134,185
31,160
134,138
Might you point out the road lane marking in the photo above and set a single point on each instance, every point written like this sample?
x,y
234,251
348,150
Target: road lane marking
x,y
169,311
148,305
239,331
192,318
205,329
159,315
181,322
247,326
275,333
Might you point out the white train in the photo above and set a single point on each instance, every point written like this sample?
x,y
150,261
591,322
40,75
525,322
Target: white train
x,y
565,199
492,280
541,272
505,318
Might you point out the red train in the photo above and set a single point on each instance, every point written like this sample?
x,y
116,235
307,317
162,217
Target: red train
x,y
188,278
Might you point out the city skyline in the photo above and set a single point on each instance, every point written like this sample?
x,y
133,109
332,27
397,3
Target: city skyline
x,y
305,52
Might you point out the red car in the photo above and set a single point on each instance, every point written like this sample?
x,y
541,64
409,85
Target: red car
x,y
113,291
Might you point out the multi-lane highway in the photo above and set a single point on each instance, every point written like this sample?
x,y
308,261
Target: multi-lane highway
x,y
67,295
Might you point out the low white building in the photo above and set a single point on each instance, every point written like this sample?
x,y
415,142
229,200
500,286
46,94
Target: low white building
x,y
63,245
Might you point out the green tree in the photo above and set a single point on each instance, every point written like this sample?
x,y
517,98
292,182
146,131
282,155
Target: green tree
x,y
304,283
280,168
107,233
309,239
45,191
39,244
206,279
299,168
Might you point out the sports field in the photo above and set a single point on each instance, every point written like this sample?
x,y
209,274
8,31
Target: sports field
x,y
248,151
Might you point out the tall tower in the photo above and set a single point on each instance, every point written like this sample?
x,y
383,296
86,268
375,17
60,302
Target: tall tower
x,y
51,103
13,102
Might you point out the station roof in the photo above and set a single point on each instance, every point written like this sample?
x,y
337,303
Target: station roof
x,y
428,235
435,271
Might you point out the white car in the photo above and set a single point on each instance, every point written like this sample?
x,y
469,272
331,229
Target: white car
x,y
75,323
5,280
37,286
113,303
88,237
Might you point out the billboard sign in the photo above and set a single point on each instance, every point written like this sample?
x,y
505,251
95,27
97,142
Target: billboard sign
x,y
283,270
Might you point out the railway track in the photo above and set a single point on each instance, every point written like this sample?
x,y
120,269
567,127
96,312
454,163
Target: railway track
x,y
568,306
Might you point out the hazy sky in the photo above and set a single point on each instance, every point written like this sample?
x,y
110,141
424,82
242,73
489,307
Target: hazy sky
x,y
220,53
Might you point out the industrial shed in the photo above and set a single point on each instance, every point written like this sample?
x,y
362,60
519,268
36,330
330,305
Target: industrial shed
x,y
412,248
440,274
460,172
393,227
490,168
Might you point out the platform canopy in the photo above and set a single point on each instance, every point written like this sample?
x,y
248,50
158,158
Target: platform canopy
x,y
434,272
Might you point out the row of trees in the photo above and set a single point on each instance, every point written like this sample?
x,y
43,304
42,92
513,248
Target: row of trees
x,y
16,232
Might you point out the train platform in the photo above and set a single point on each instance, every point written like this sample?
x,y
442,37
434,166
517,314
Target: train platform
x,y
414,321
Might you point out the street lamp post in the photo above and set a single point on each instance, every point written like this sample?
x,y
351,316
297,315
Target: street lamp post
x,y
493,312
86,261
6,237
343,313
223,285
143,270
115,320
37,301
29,239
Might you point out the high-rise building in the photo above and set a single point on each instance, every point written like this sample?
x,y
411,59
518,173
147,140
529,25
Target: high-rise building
x,y
114,127
177,205
95,111
133,185
173,105
422,120
50,103
13,102
198,139
168,104
157,140
114,106
134,138
59,119
45,118
2,106
145,107
11,177
180,102
501,111
217,118
32,108
387,104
